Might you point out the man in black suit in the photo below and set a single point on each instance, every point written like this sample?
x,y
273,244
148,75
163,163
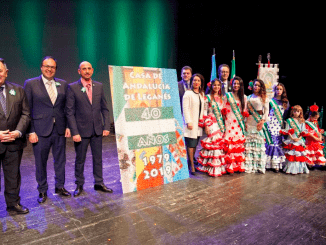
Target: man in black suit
x,y
184,84
223,74
14,121
47,100
88,118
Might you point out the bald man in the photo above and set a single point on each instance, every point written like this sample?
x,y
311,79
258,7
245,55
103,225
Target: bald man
x,y
88,120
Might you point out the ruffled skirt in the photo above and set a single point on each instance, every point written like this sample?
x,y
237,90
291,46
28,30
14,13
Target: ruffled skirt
x,y
255,151
274,153
296,160
211,156
234,155
315,153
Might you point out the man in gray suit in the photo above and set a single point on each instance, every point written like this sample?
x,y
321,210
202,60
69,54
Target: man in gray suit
x,y
14,121
88,119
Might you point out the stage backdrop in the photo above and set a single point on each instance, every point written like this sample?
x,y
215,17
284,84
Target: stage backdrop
x,y
148,126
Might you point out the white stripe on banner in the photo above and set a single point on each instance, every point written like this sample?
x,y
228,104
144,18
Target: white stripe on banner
x,y
149,127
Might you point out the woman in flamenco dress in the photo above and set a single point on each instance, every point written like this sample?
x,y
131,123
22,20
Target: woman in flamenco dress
x,y
294,146
256,127
279,110
235,112
211,156
314,142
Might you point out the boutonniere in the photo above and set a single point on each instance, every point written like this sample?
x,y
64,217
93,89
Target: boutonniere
x,y
83,89
57,84
12,92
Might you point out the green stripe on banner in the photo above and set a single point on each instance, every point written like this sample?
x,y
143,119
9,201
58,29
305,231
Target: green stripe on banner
x,y
149,113
118,91
146,141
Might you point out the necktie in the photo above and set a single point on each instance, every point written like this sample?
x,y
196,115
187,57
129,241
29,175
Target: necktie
x,y
3,101
89,92
51,92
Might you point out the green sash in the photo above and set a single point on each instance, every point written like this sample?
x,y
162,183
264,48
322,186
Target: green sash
x,y
293,124
313,126
277,111
257,118
236,111
217,113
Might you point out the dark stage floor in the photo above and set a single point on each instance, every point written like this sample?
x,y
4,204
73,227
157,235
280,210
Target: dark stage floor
x,y
239,209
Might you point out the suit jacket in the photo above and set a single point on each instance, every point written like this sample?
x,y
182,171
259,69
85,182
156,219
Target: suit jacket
x,y
43,113
17,118
229,88
181,93
84,117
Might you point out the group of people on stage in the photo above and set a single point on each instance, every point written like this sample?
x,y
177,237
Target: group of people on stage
x,y
246,133
48,110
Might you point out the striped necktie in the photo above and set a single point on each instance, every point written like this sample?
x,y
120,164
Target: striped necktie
x,y
3,101
51,92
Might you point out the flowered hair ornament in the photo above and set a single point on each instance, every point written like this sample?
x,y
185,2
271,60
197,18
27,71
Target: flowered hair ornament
x,y
251,85
314,108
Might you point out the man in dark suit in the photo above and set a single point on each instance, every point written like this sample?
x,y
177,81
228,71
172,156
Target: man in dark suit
x,y
47,100
88,118
14,121
184,84
223,74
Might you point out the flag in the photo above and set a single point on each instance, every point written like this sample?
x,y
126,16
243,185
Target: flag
x,y
233,67
213,73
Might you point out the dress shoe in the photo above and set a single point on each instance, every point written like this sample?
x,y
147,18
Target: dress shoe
x,y
42,197
78,191
62,191
18,209
103,188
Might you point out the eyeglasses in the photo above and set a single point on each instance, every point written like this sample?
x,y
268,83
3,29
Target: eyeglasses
x,y
50,67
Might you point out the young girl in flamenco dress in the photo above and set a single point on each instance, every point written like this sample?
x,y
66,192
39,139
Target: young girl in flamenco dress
x,y
256,127
294,146
211,156
235,111
314,139
278,112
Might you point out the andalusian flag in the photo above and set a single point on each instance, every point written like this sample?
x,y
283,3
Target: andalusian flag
x,y
233,67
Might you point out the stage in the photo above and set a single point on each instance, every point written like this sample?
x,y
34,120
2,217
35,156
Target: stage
x,y
273,208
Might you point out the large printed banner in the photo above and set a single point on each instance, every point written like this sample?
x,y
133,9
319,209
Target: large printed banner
x,y
148,126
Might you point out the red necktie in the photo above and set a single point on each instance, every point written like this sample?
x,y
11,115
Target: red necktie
x,y
89,92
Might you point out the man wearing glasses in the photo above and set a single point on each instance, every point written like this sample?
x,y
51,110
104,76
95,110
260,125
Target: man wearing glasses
x,y
223,74
47,100
14,121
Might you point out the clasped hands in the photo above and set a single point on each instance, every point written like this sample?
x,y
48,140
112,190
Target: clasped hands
x,y
8,136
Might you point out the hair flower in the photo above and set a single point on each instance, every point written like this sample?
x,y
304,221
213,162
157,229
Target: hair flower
x,y
314,108
251,85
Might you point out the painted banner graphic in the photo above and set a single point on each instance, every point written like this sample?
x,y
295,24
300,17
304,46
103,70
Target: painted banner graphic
x,y
148,126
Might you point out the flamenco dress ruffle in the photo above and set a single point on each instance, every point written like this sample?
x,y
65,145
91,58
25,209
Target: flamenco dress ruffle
x,y
315,153
211,156
255,150
275,157
274,152
295,153
234,155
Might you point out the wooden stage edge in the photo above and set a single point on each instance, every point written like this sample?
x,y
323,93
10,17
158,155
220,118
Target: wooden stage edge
x,y
271,208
